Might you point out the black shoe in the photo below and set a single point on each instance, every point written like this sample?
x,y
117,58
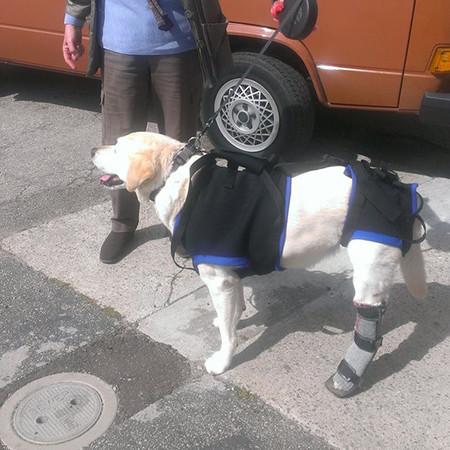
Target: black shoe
x,y
116,246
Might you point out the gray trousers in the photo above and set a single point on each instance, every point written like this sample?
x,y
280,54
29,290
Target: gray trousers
x,y
169,86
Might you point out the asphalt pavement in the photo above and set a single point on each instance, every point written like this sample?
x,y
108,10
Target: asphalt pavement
x,y
145,327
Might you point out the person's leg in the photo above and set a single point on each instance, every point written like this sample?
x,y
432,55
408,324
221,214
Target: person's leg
x,y
124,107
177,85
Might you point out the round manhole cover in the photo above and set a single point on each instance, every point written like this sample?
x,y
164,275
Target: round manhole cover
x,y
57,410
57,413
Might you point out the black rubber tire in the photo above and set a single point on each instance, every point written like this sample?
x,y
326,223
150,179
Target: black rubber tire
x,y
292,97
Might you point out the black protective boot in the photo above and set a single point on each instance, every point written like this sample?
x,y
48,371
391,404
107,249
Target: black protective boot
x,y
116,246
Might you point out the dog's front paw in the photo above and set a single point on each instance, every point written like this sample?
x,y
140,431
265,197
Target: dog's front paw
x,y
217,363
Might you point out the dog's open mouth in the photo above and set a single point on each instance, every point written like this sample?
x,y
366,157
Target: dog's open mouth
x,y
112,181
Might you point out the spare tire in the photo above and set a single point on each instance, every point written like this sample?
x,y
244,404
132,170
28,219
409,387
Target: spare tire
x,y
271,111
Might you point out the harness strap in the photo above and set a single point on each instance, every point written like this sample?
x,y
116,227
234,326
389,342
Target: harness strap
x,y
354,212
255,165
347,372
424,234
191,148
193,190
162,19
389,211
370,314
231,175
183,156
366,344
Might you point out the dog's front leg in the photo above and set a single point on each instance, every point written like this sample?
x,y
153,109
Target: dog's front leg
x,y
227,296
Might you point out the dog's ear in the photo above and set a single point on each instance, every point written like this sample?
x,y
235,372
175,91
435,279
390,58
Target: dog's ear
x,y
151,164
142,168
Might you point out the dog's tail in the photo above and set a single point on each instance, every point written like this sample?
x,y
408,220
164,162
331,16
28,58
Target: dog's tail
x,y
413,267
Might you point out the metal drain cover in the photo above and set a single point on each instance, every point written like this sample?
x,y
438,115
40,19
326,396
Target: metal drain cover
x,y
56,411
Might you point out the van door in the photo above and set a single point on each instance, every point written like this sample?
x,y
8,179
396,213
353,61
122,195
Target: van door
x,y
360,49
31,33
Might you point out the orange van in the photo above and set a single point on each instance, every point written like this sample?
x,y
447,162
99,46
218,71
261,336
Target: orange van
x,y
380,55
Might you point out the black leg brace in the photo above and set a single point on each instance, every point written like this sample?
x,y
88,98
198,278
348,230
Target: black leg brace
x,y
366,341
372,314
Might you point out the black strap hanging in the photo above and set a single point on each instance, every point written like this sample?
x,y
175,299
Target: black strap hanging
x,y
163,20
209,28
179,232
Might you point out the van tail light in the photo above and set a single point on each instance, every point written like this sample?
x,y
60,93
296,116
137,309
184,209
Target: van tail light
x,y
441,61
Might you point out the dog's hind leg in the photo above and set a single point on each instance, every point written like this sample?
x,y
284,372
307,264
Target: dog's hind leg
x,y
227,295
374,267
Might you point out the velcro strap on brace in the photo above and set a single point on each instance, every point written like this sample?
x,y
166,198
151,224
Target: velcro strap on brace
x,y
347,372
371,312
365,344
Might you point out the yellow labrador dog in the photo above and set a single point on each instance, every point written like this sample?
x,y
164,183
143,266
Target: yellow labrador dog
x,y
145,162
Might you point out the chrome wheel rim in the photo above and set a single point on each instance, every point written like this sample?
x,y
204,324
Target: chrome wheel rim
x,y
249,119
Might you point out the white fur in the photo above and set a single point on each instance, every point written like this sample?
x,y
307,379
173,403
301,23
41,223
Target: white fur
x,y
317,211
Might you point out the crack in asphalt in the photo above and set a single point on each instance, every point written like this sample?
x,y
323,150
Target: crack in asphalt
x,y
167,302
84,178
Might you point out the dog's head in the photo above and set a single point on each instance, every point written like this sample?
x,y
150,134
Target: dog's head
x,y
141,160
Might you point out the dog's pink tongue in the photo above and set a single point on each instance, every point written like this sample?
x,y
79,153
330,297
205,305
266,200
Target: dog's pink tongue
x,y
105,179
109,180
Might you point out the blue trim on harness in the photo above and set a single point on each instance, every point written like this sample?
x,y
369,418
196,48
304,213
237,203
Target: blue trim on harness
x,y
235,261
377,237
414,198
287,199
371,235
176,222
349,172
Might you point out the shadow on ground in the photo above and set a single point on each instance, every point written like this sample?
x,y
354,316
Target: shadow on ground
x,y
438,231
28,84
336,315
399,141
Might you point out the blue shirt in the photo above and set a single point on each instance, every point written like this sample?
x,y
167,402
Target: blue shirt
x,y
129,27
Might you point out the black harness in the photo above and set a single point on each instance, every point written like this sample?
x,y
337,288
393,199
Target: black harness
x,y
233,214
236,212
382,208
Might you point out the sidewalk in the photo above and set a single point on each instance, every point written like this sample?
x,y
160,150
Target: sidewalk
x,y
293,334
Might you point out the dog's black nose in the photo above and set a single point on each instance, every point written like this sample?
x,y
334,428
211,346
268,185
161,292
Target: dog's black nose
x,y
93,151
